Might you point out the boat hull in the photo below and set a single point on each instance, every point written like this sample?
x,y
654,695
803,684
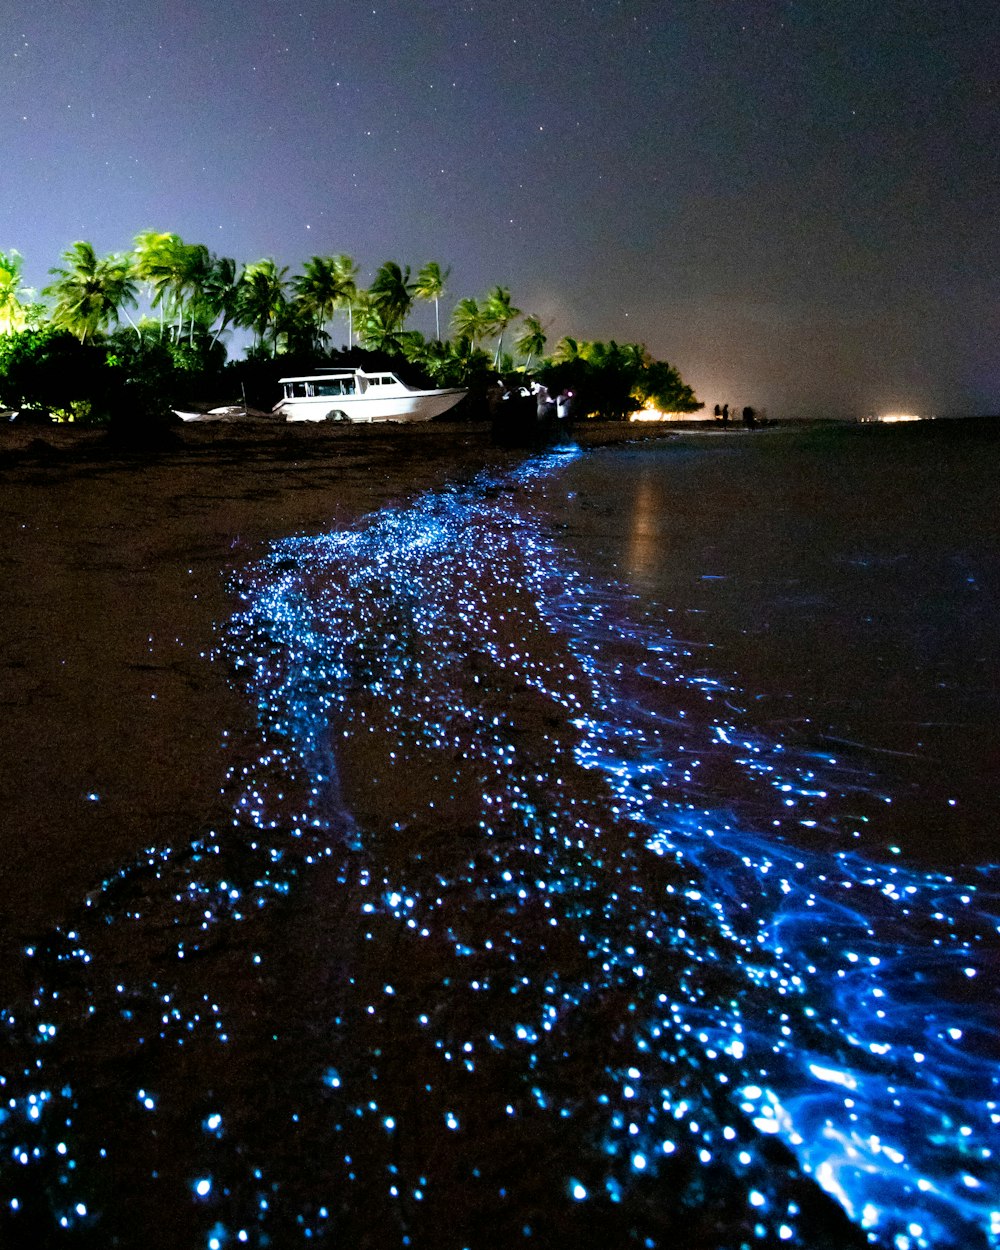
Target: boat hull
x,y
367,409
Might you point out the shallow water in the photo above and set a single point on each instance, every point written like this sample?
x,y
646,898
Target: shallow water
x,y
555,905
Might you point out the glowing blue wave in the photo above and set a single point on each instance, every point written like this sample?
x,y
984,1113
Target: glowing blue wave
x,y
855,1046
637,924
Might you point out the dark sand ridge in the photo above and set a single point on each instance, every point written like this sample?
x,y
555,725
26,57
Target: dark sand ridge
x,y
114,581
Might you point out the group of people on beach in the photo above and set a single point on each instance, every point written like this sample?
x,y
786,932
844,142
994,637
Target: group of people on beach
x,y
749,415
523,393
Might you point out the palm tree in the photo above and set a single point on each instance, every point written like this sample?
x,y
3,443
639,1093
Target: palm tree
x,y
175,273
469,321
499,314
317,290
568,349
636,355
445,362
220,294
153,264
378,334
296,329
430,286
391,294
91,291
531,341
190,265
13,313
261,299
347,273
413,345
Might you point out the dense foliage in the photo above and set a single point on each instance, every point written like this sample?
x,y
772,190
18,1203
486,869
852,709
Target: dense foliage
x,y
613,380
80,353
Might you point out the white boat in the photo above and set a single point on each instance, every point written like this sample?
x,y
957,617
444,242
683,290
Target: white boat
x,y
354,395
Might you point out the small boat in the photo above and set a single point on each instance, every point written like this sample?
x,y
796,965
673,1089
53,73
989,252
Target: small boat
x,y
354,395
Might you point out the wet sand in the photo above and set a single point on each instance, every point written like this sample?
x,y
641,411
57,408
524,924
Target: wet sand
x,y
114,568
441,1015
114,580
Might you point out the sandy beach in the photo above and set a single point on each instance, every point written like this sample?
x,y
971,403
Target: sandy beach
x,y
114,580
356,860
114,574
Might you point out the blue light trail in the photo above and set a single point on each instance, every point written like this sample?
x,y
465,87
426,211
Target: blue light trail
x,y
565,874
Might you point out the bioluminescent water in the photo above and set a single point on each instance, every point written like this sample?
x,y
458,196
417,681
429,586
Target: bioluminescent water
x,y
523,932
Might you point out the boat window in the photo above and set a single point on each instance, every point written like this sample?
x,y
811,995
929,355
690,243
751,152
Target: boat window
x,y
334,386
295,390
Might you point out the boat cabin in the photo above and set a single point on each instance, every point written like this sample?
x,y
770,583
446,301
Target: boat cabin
x,y
331,385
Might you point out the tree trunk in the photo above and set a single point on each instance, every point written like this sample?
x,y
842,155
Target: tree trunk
x,y
222,326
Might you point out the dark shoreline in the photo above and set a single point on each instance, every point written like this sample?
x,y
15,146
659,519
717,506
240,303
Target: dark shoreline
x,y
65,444
308,441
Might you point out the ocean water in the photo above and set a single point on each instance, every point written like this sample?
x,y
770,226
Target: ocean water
x,y
613,864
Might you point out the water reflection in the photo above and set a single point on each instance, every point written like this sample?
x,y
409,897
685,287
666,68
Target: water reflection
x,y
645,541
520,931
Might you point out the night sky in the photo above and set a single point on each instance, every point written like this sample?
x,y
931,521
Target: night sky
x,y
795,203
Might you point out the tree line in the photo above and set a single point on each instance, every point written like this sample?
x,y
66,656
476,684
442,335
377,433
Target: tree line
x,y
194,298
